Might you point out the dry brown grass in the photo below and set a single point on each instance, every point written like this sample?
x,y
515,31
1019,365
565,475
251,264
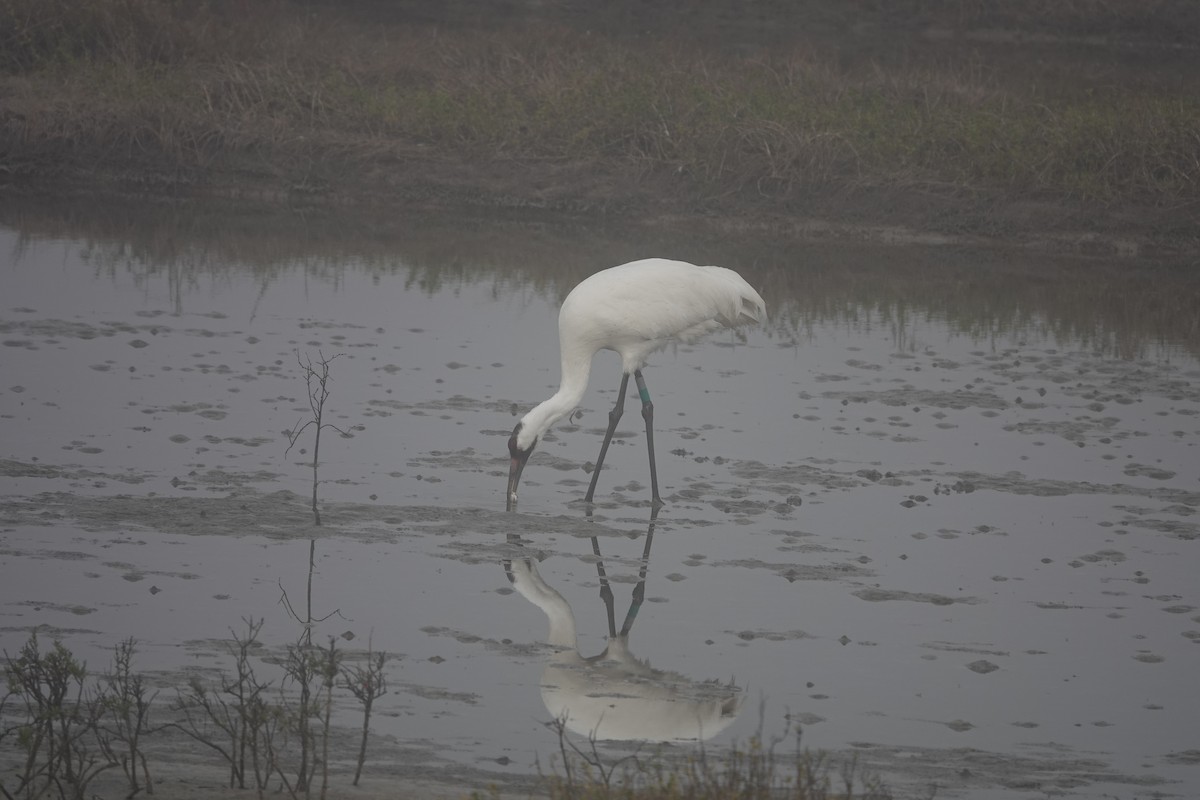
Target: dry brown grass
x,y
304,95
755,770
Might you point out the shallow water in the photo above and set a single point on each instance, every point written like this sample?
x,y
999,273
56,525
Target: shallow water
x,y
939,513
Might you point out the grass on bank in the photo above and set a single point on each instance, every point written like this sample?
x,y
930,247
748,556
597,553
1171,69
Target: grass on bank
x,y
756,770
290,90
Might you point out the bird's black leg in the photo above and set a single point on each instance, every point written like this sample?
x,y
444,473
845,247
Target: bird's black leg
x,y
613,417
648,415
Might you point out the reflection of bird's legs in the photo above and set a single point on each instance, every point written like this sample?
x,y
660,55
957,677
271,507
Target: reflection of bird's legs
x,y
613,417
648,415
606,593
639,591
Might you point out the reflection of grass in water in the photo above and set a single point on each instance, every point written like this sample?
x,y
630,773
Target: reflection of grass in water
x,y
1114,307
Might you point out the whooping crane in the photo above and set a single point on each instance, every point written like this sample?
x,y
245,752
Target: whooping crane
x,y
633,309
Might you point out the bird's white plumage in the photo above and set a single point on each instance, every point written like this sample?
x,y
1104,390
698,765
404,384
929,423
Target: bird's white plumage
x,y
635,309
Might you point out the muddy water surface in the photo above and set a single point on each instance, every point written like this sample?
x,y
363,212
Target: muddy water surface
x,y
940,513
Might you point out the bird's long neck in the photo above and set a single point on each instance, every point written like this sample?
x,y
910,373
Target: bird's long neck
x,y
576,366
533,588
562,621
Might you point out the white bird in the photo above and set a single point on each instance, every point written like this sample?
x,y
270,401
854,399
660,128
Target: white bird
x,y
634,309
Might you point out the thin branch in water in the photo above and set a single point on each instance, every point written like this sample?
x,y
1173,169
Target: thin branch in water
x,y
316,382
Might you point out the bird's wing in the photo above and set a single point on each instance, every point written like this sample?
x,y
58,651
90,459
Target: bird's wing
x,y
642,305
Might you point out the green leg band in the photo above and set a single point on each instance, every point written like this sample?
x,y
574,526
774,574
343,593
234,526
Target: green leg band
x,y
643,392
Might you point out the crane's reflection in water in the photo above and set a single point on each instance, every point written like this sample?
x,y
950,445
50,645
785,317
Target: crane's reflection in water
x,y
614,695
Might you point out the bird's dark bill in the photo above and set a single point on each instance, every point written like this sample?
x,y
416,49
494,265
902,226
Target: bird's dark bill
x,y
515,467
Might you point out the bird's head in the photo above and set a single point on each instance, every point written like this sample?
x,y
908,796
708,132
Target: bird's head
x,y
517,458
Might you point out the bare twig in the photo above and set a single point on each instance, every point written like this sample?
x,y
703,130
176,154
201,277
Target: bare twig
x,y
367,683
316,381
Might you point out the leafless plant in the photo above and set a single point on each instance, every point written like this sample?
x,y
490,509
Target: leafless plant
x,y
330,666
237,710
301,669
58,729
588,767
127,721
316,381
367,683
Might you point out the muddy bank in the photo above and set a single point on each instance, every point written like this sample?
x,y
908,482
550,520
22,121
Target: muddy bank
x,y
1069,131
